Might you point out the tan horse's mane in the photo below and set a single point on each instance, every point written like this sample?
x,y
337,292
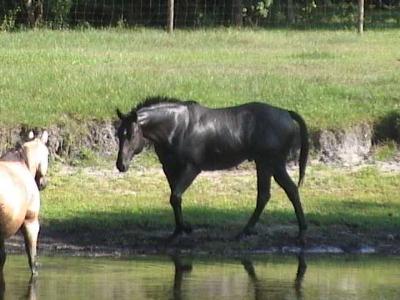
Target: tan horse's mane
x,y
16,154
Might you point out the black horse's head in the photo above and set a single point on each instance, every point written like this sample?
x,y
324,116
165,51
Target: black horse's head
x,y
131,139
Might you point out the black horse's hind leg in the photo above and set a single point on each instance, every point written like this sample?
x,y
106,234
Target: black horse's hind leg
x,y
283,179
264,174
179,181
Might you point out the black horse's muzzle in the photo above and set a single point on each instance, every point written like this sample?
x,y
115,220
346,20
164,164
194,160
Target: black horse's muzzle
x,y
122,167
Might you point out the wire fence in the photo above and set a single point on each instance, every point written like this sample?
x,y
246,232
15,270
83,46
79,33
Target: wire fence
x,y
198,13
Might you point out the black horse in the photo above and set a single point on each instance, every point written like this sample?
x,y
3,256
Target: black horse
x,y
189,138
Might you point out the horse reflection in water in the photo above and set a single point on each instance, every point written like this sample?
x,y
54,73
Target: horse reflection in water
x,y
189,138
262,289
182,269
267,289
30,291
22,175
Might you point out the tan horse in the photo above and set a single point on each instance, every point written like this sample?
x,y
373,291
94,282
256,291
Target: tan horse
x,y
22,174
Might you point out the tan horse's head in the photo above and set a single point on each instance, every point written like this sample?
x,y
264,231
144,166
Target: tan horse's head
x,y
37,157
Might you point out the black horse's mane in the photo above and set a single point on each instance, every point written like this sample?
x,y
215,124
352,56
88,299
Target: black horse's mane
x,y
150,101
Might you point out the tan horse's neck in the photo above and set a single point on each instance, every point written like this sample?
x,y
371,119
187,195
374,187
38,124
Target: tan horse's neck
x,y
36,157
33,154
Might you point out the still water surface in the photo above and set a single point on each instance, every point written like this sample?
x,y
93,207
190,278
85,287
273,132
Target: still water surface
x,y
260,277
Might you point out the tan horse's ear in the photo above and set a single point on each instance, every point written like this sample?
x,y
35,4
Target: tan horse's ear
x,y
31,135
45,137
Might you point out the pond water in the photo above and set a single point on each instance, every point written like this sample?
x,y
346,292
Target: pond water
x,y
259,277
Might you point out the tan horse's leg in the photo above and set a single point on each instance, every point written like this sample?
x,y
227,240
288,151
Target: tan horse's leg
x,y
2,284
30,230
2,254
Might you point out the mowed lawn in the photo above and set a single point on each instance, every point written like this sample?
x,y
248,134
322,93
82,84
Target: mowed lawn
x,y
333,78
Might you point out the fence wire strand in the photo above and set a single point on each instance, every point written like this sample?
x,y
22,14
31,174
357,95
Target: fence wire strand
x,y
203,13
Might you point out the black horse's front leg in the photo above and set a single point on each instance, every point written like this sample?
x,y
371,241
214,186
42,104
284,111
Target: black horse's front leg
x,y
180,226
179,181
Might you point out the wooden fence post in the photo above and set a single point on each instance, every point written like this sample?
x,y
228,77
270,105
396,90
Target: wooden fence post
x,y
360,16
237,13
170,20
290,12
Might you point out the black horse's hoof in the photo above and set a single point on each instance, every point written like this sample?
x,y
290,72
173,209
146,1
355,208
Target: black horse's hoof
x,y
187,228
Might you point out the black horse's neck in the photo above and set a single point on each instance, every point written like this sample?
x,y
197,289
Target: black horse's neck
x,y
160,118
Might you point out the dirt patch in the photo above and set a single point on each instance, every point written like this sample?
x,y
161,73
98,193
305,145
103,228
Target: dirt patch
x,y
71,140
348,146
68,140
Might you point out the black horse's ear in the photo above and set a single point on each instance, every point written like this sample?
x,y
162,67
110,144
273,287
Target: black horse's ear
x,y
133,116
120,114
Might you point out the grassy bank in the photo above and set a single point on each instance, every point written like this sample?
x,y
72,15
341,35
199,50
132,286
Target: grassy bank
x,y
334,78
347,208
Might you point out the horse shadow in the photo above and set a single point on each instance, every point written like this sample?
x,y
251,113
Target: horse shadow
x,y
138,230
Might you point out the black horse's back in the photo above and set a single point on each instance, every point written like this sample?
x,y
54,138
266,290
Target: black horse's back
x,y
225,137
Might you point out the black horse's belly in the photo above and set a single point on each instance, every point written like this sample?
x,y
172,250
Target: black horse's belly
x,y
218,160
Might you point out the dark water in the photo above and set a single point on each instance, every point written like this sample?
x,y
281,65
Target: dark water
x,y
260,277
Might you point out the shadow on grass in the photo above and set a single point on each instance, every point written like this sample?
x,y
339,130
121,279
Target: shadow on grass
x,y
365,216
152,227
387,128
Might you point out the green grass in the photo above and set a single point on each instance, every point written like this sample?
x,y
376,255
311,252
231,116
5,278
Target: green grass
x,y
334,78
102,204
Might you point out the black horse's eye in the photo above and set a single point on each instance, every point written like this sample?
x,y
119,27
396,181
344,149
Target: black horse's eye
x,y
122,133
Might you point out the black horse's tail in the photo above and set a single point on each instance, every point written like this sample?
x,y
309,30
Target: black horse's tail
x,y
304,144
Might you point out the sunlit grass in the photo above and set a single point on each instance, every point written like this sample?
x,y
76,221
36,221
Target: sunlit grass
x,y
334,78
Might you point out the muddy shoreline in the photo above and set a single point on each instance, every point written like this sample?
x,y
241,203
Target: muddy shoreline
x,y
337,240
